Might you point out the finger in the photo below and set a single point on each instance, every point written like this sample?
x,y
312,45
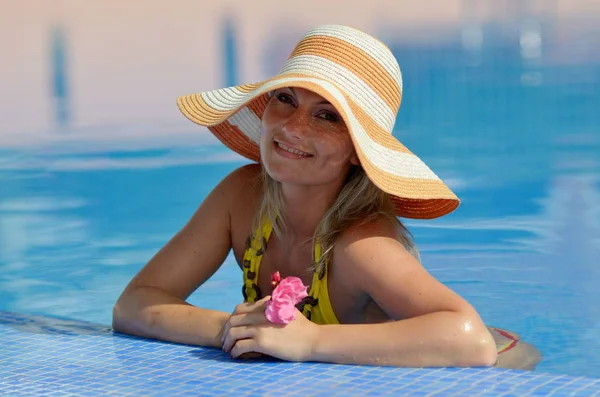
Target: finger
x,y
244,308
261,305
245,346
253,318
226,328
247,307
237,333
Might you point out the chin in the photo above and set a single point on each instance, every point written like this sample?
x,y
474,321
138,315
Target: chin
x,y
283,174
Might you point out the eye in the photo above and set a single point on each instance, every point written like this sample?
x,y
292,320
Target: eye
x,y
328,116
285,98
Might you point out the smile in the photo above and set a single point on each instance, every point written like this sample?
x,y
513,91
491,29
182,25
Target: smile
x,y
291,150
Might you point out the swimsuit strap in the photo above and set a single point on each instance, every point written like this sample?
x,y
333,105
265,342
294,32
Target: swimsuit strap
x,y
307,305
255,248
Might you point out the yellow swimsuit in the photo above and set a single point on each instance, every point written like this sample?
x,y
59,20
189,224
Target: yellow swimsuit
x,y
316,306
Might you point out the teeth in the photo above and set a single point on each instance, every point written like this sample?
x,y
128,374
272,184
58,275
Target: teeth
x,y
292,150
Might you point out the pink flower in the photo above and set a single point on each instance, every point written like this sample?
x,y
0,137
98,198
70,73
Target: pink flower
x,y
289,292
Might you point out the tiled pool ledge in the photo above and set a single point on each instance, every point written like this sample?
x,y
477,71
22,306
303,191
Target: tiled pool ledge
x,y
43,356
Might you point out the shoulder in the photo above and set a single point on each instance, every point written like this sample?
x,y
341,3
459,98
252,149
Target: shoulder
x,y
241,194
377,264
243,179
372,248
372,234
247,174
232,194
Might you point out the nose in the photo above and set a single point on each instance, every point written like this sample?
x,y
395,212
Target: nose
x,y
297,126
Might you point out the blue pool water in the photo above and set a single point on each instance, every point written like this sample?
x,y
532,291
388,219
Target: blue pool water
x,y
519,141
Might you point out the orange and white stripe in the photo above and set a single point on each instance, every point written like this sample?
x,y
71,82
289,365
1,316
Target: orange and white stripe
x,y
360,76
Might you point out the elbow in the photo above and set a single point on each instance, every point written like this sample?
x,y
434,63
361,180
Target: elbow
x,y
120,317
125,317
485,354
479,345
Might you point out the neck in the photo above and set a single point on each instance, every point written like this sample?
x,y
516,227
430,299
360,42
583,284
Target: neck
x,y
305,207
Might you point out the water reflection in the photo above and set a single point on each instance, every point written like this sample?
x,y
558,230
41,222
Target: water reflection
x,y
60,86
540,277
52,325
70,250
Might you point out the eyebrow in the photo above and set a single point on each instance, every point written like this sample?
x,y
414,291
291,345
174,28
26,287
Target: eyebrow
x,y
320,103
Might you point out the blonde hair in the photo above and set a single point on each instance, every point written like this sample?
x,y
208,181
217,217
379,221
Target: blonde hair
x,y
359,201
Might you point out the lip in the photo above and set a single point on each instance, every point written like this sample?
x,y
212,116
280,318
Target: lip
x,y
287,154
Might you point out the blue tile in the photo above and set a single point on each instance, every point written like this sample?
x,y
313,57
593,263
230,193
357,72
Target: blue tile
x,y
102,363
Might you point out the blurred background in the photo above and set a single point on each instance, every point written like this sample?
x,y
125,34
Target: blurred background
x,y
98,169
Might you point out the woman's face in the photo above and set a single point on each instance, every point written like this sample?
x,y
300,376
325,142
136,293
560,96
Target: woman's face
x,y
304,141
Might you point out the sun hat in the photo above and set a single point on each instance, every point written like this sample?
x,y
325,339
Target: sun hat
x,y
360,77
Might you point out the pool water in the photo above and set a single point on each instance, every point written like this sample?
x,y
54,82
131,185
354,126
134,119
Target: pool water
x,y
518,141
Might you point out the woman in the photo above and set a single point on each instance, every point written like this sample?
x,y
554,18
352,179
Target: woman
x,y
322,204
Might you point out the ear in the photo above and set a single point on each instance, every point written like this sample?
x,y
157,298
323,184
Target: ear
x,y
354,159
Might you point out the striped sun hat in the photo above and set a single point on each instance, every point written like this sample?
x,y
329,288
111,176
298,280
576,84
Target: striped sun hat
x,y
361,78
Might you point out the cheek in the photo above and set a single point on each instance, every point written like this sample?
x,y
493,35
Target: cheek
x,y
339,149
264,141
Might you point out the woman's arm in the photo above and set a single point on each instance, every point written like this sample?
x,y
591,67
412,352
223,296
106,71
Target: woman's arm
x,y
431,340
153,304
152,313
432,326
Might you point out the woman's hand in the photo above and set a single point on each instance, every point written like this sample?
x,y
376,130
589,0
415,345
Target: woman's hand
x,y
248,330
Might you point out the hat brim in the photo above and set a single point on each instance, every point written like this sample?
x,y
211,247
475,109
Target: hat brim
x,y
234,116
